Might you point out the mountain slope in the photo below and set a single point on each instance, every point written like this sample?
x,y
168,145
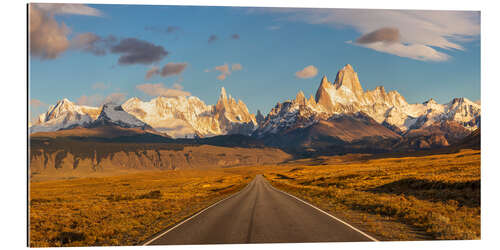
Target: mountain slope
x,y
337,134
113,114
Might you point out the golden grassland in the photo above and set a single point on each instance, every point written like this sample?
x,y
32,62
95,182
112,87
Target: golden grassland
x,y
405,198
402,198
122,210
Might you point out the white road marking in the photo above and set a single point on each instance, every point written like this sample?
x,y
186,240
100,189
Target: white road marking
x,y
188,219
343,222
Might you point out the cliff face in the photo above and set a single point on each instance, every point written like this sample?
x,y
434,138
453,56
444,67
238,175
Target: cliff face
x,y
67,162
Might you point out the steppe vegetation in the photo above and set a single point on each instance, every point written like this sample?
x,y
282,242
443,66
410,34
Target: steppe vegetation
x,y
124,209
402,198
434,196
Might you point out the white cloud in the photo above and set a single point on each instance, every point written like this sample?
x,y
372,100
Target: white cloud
x,y
307,72
68,8
420,31
159,89
413,51
226,70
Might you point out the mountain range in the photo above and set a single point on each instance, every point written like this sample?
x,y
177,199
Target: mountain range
x,y
340,117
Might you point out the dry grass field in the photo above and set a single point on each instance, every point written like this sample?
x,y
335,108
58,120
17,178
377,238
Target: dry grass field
x,y
405,198
401,198
122,210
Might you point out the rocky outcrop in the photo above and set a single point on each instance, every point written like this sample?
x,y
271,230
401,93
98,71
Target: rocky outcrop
x,y
233,116
183,116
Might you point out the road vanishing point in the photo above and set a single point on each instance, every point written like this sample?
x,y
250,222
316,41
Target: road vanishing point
x,y
259,213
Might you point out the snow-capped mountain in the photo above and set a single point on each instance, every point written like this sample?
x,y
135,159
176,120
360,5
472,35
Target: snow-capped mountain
x,y
183,116
346,96
64,114
114,115
178,117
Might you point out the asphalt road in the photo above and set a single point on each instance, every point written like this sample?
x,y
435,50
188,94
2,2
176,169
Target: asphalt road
x,y
259,214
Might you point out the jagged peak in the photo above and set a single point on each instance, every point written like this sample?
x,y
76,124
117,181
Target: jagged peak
x,y
348,78
457,101
223,93
300,96
463,100
380,88
62,104
64,101
348,67
324,80
324,84
134,99
430,101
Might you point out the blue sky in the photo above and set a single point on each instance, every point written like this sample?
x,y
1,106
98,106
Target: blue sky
x,y
421,54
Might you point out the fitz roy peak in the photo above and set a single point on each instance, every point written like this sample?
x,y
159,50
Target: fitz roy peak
x,y
346,96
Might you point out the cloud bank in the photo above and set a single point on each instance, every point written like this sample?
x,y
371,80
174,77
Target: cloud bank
x,y
420,33
48,39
